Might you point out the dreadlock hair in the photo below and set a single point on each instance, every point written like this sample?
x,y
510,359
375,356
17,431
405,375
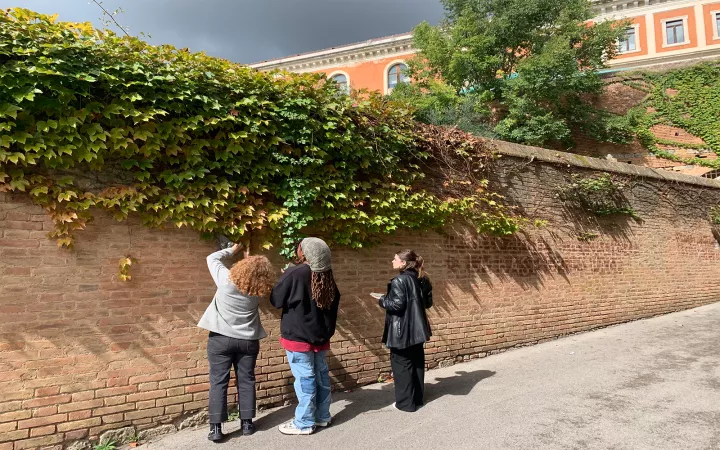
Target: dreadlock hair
x,y
323,289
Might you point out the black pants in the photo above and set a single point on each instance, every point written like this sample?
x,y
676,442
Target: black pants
x,y
225,353
408,366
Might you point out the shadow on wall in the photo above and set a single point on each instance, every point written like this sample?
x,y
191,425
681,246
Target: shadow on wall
x,y
75,318
519,181
66,315
149,323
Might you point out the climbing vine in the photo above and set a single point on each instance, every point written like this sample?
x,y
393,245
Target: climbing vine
x,y
688,98
715,215
599,195
90,120
124,267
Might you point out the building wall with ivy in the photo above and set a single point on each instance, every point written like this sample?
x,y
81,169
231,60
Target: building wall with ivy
x,y
671,111
83,353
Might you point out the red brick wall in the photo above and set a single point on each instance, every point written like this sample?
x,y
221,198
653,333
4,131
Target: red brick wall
x,y
619,98
81,352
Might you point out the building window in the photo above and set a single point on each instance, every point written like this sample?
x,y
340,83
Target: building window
x,y
397,74
628,43
716,16
675,32
341,80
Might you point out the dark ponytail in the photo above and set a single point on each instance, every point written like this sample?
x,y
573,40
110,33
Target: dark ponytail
x,y
420,266
413,261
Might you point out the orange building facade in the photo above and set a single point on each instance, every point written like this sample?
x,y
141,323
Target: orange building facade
x,y
661,32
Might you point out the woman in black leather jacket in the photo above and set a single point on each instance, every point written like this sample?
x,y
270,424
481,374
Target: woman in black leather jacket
x,y
407,328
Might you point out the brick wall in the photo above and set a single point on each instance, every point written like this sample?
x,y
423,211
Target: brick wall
x,y
82,353
619,98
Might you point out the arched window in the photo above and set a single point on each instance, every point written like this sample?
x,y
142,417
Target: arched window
x,y
342,82
397,74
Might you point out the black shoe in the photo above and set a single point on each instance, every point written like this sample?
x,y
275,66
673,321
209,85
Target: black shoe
x,y
248,427
216,434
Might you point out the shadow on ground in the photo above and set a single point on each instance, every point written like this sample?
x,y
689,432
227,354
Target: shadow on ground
x,y
375,398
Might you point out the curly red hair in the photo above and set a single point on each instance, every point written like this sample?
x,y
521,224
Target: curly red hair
x,y
253,276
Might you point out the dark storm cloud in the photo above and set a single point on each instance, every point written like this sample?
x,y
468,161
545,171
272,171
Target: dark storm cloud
x,y
248,31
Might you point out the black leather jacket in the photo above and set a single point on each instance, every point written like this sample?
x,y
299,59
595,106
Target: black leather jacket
x,y
406,322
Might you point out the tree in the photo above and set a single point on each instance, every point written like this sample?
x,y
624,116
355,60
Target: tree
x,y
538,58
437,103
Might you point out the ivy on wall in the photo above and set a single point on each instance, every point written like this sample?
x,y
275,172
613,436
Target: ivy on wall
x,y
91,120
687,98
599,195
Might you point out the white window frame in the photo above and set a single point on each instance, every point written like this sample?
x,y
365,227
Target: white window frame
x,y
347,77
686,31
386,77
636,27
714,20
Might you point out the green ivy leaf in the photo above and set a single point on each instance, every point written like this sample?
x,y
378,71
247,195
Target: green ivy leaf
x,y
8,110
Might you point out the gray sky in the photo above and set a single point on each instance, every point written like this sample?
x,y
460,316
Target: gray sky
x,y
248,31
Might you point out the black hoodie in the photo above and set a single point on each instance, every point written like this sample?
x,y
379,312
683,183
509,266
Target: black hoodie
x,y
302,320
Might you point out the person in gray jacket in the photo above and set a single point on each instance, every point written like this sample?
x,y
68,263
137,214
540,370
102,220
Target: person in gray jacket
x,y
235,330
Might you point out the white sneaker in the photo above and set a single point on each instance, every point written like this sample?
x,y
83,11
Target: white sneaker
x,y
323,424
291,429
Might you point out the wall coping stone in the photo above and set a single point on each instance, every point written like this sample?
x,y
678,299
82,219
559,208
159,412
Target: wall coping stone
x,y
587,162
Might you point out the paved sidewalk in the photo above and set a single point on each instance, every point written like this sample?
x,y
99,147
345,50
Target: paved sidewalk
x,y
652,384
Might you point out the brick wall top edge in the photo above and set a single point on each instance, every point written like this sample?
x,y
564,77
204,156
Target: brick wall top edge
x,y
557,157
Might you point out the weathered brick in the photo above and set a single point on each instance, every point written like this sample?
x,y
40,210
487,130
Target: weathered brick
x,y
40,421
45,411
76,435
45,401
38,442
194,406
81,396
79,424
143,413
112,418
47,391
197,388
173,410
78,415
174,400
14,416
96,431
148,378
80,405
112,401
9,406
109,392
113,409
149,395
175,391
14,435
42,431
145,404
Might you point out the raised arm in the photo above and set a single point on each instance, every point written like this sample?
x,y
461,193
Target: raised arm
x,y
218,270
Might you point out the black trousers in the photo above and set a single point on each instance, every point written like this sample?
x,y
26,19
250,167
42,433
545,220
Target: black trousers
x,y
225,353
408,366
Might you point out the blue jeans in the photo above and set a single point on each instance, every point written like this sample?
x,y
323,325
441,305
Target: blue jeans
x,y
312,387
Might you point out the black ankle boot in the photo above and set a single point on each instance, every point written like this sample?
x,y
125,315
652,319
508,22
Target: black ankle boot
x,y
216,434
248,427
